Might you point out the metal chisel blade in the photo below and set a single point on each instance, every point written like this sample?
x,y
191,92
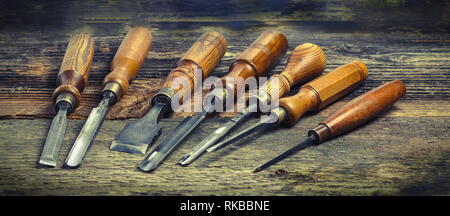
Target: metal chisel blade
x,y
136,136
55,138
89,130
166,146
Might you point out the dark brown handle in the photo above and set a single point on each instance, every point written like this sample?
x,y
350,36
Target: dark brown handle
x,y
306,62
128,60
74,71
204,54
324,90
360,110
256,60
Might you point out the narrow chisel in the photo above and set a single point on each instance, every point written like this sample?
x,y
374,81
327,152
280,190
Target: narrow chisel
x,y
124,68
253,62
306,62
353,114
204,55
312,96
71,81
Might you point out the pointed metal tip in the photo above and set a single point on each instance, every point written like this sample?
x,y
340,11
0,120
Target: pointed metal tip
x,y
147,165
185,160
257,169
132,148
47,163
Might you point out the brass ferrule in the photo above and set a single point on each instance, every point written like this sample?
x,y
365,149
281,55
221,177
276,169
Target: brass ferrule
x,y
281,114
68,98
322,132
114,88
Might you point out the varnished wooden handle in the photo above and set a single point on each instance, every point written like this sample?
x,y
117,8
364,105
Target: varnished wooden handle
x,y
324,90
204,54
128,59
306,62
256,60
360,110
74,70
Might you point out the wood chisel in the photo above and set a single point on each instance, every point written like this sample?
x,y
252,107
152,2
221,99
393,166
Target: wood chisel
x,y
352,115
204,55
71,81
306,62
312,96
124,68
253,62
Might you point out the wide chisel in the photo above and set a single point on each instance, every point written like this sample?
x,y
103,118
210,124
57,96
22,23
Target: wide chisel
x,y
253,62
71,81
203,56
306,62
312,96
124,68
352,115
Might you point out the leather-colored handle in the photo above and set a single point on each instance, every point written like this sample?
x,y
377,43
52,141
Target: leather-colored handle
x,y
128,60
360,110
306,62
204,54
324,90
257,59
74,70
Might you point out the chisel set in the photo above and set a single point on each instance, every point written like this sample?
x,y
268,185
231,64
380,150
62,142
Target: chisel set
x,y
271,101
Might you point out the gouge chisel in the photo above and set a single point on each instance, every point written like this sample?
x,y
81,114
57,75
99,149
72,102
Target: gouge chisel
x,y
312,96
306,62
353,114
71,81
253,62
204,55
124,68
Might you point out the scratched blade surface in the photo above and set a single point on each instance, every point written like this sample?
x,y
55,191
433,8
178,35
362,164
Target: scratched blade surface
x,y
89,130
216,136
54,139
175,137
136,136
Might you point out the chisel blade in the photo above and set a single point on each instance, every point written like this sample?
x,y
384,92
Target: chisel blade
x,y
166,146
55,137
136,136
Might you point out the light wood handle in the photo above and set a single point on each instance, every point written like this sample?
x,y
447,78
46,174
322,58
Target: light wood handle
x,y
324,90
204,54
74,70
360,110
257,59
306,62
128,59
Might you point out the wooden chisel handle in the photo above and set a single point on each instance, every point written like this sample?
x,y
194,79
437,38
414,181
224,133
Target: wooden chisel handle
x,y
74,71
256,60
306,62
128,60
324,90
359,110
204,54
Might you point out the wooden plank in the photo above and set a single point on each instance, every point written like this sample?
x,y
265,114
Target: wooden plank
x,y
390,156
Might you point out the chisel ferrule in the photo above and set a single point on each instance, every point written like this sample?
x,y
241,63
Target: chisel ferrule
x,y
114,88
68,98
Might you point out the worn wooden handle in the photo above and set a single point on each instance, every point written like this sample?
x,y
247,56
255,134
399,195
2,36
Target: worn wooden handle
x,y
360,110
324,90
256,60
306,62
204,55
128,60
74,70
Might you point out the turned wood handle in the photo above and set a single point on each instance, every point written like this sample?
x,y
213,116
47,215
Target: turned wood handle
x,y
74,70
128,59
324,90
306,62
360,110
257,59
204,54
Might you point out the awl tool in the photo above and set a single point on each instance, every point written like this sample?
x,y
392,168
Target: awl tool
x,y
124,68
352,115
203,56
312,96
253,62
71,81
306,62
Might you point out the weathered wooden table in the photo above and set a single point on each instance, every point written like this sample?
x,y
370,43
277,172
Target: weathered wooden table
x,y
406,151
